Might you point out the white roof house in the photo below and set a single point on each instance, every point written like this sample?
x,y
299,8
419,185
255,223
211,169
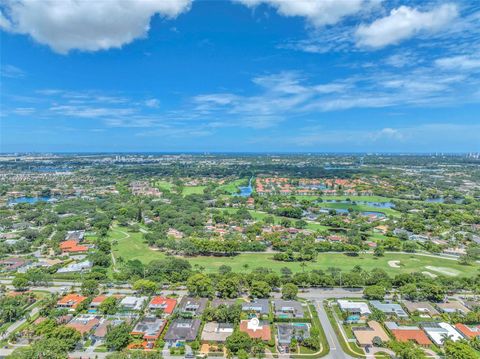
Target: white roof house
x,y
133,303
354,307
439,331
76,267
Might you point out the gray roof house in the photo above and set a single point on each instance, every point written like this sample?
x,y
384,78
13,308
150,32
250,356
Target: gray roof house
x,y
191,305
215,303
287,331
288,308
216,332
259,306
182,330
389,307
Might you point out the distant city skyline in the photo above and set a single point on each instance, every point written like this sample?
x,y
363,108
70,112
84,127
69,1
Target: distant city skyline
x,y
240,76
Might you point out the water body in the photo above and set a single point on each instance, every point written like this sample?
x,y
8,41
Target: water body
x,y
366,203
246,191
30,200
372,213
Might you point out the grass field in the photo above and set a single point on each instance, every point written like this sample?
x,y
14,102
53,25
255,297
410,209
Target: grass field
x,y
131,246
232,187
164,185
193,190
361,208
261,215
343,198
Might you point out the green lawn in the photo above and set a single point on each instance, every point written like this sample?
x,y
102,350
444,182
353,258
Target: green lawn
x,y
133,247
162,184
361,208
257,215
232,187
193,190
343,198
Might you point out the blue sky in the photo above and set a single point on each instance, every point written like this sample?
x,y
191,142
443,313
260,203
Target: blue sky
x,y
246,75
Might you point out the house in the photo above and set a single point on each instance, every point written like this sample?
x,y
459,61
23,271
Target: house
x,y
468,331
260,331
84,323
79,267
149,328
365,335
70,301
12,264
389,308
77,236
216,332
97,301
471,304
424,308
132,303
192,306
181,330
258,306
453,307
72,247
437,332
167,305
287,331
408,333
101,330
288,309
355,308
215,303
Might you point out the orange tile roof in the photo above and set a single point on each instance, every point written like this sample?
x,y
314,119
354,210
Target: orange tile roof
x,y
168,304
83,326
468,331
72,246
417,335
72,300
263,333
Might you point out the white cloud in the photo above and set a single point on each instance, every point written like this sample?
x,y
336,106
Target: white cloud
x,y
462,62
404,23
318,12
87,25
152,103
12,71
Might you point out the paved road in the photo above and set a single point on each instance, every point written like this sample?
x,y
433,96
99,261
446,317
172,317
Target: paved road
x,y
18,323
336,351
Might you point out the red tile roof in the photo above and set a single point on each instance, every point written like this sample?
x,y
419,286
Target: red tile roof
x,y
167,304
72,246
71,300
417,335
468,331
262,332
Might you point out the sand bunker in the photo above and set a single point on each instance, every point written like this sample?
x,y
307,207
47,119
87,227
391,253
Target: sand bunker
x,y
431,275
394,264
444,270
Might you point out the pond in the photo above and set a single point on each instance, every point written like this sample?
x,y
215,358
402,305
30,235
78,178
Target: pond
x,y
373,214
30,200
246,191
366,203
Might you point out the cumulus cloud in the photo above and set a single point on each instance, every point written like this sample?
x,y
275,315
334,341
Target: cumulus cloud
x,y
404,23
318,12
86,25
